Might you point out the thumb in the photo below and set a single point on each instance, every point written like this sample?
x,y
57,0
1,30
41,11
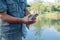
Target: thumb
x,y
28,15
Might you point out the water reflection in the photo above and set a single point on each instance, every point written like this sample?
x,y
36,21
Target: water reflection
x,y
46,33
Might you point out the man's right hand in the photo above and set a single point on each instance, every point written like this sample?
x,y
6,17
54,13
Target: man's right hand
x,y
5,17
27,21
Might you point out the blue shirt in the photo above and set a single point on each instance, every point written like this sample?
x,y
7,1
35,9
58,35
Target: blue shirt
x,y
13,8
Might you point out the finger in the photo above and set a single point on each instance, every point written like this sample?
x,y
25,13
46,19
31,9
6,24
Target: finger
x,y
34,19
32,22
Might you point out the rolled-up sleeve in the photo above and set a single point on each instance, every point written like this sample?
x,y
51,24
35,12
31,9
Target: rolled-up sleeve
x,y
3,6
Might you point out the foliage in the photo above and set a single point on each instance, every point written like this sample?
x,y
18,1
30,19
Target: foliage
x,y
56,7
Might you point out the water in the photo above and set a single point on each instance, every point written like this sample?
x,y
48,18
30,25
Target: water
x,y
46,33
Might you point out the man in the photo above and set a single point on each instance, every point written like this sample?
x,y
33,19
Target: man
x,y
12,17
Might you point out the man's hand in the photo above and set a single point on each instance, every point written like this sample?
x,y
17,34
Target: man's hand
x,y
27,21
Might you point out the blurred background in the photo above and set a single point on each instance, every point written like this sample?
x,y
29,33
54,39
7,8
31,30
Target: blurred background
x,y
47,26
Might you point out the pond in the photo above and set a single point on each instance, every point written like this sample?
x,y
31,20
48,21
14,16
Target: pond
x,y
46,33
